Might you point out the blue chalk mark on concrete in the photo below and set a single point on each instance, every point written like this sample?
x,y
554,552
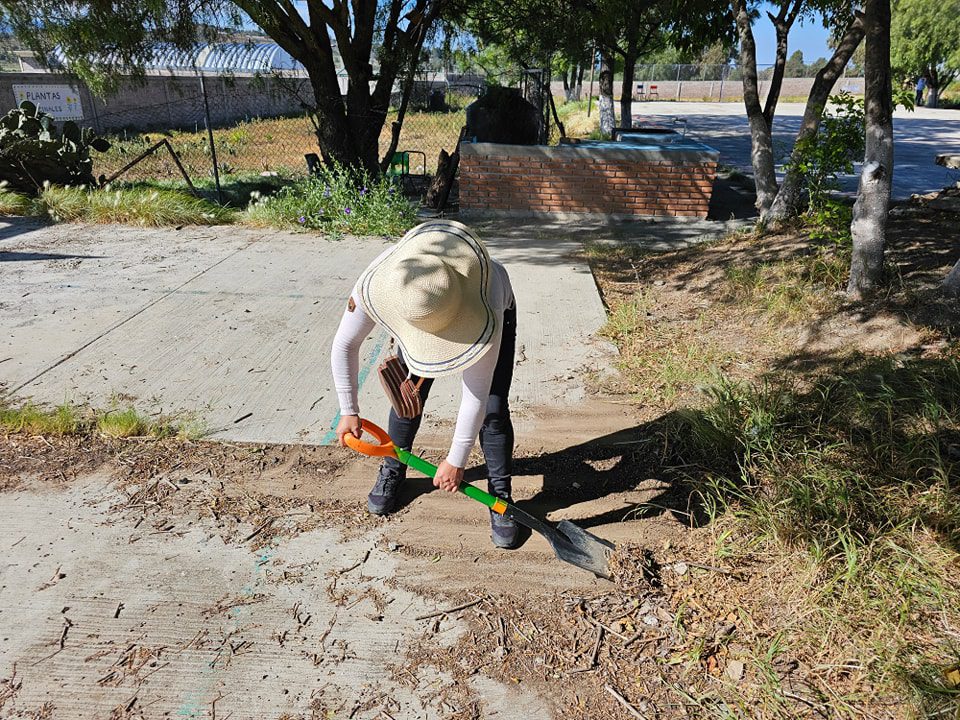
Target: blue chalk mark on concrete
x,y
331,437
196,703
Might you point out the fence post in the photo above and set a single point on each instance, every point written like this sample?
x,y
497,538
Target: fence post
x,y
679,85
213,147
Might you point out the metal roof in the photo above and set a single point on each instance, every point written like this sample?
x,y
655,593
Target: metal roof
x,y
244,57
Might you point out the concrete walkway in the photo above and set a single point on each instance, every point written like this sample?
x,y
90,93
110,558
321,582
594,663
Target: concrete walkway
x,y
233,325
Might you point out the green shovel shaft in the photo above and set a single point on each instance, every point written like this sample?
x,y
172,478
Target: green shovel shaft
x,y
430,470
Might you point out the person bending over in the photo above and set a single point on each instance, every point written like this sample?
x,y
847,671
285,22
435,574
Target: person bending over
x,y
451,310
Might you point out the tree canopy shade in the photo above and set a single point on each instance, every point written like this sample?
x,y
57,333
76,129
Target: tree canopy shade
x,y
925,42
103,38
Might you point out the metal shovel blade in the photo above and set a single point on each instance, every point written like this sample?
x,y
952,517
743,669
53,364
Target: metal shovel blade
x,y
570,543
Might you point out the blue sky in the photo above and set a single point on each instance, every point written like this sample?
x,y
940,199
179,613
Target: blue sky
x,y
811,38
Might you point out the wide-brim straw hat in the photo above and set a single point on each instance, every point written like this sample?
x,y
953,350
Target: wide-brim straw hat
x,y
432,293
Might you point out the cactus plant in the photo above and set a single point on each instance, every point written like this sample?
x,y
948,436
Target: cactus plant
x,y
33,152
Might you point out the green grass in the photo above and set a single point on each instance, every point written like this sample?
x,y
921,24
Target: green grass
x,y
117,422
855,475
33,420
236,190
12,203
790,290
129,423
138,206
659,363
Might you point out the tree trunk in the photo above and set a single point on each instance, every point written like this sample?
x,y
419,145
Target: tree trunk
x,y
608,119
579,84
626,91
761,141
439,190
933,96
951,285
873,197
568,84
782,23
788,201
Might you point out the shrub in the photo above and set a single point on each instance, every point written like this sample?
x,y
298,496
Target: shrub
x,y
33,153
833,150
338,200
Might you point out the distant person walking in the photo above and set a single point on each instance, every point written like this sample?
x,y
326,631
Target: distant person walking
x,y
921,86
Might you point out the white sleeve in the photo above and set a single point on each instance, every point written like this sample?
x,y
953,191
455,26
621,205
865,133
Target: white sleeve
x,y
354,328
473,403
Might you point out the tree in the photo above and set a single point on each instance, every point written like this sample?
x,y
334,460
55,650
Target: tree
x,y
106,39
760,118
795,67
925,42
873,196
787,202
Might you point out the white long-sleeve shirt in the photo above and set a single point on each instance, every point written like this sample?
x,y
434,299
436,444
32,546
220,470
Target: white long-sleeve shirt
x,y
356,326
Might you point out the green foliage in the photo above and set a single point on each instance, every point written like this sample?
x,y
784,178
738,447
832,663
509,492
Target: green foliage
x,y
857,473
839,142
925,40
33,152
33,420
140,206
338,200
829,220
117,422
126,423
14,203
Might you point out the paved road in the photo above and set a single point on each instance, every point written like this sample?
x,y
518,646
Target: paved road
x,y
918,137
234,325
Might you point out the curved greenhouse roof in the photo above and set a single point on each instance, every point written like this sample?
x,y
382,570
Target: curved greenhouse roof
x,y
242,57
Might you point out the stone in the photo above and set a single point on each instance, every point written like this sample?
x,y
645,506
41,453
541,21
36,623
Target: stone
x,y
735,670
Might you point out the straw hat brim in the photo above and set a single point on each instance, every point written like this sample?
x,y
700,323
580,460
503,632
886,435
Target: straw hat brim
x,y
463,340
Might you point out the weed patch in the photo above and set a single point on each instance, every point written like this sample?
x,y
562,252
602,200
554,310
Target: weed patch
x,y
68,420
12,203
31,419
139,206
855,476
337,201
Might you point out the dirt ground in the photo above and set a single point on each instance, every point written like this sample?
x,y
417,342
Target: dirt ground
x,y
167,578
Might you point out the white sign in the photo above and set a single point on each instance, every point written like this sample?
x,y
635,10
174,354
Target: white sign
x,y
60,101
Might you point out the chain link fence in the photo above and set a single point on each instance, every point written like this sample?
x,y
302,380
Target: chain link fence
x,y
267,145
259,125
723,83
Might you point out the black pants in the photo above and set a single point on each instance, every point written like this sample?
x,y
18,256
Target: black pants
x,y
496,434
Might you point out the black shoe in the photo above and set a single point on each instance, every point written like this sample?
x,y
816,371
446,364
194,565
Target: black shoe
x,y
503,531
383,497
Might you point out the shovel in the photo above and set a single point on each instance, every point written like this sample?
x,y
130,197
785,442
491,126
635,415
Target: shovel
x,y
569,542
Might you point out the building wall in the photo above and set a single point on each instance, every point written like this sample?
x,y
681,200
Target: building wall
x,y
566,179
171,101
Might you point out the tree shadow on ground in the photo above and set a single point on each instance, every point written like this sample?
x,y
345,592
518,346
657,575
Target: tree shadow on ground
x,y
922,246
850,452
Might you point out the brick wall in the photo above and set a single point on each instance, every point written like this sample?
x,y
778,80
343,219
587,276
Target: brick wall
x,y
569,179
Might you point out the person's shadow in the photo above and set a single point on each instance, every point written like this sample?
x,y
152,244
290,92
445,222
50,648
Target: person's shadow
x,y
644,458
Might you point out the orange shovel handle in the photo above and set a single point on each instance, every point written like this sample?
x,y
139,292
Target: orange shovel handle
x,y
384,449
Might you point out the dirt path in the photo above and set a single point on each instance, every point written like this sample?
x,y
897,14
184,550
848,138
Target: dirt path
x,y
247,582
